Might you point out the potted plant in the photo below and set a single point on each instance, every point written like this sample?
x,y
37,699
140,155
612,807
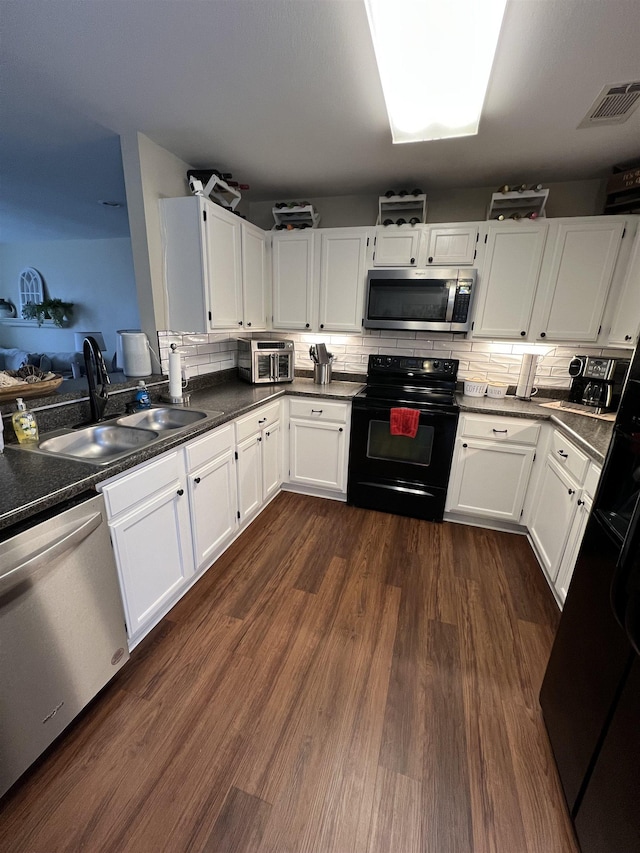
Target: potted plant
x,y
49,309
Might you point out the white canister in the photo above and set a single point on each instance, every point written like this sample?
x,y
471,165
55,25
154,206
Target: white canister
x,y
133,353
475,387
498,390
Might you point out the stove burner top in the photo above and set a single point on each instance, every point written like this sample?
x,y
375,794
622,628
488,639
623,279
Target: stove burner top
x,y
411,380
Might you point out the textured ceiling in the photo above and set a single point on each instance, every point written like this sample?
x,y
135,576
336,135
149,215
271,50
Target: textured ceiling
x,y
285,93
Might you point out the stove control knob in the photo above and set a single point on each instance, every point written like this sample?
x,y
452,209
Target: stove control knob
x,y
436,365
389,360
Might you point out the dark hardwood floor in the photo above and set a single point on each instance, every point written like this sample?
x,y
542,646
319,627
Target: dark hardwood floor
x,y
340,680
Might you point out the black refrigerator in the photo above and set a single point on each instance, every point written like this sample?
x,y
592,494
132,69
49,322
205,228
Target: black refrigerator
x,y
590,695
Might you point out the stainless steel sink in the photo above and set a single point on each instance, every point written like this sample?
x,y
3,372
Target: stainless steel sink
x,y
162,419
99,444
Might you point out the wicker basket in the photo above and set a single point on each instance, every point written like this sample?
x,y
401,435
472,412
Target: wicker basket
x,y
29,389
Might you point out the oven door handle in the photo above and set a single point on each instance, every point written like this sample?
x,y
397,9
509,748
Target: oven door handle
x,y
451,303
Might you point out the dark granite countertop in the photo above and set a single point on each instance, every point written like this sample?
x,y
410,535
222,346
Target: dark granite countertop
x,y
592,435
31,482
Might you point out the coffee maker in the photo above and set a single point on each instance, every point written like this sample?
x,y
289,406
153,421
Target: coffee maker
x,y
597,382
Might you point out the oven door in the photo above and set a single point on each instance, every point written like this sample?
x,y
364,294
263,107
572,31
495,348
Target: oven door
x,y
407,476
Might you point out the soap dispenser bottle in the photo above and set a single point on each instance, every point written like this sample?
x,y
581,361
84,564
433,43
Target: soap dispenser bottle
x,y
143,400
24,423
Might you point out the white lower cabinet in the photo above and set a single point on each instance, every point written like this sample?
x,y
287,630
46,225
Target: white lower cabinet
x,y
148,512
491,467
561,509
259,455
211,479
553,515
318,443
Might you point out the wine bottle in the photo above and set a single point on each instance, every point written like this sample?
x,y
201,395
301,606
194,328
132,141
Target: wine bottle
x,y
388,222
505,188
500,217
521,188
389,193
516,215
414,220
403,193
401,221
533,214
535,188
417,192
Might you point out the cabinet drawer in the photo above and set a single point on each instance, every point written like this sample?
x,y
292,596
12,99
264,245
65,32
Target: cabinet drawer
x,y
516,430
257,420
318,409
202,450
568,456
591,480
139,485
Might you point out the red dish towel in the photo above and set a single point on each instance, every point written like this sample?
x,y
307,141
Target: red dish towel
x,y
404,422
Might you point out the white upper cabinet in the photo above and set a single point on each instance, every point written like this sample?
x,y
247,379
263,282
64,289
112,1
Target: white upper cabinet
x,y
254,251
575,281
343,270
451,245
624,330
224,262
292,254
508,279
214,267
397,246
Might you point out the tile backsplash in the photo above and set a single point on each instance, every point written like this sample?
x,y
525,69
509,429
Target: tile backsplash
x,y
491,360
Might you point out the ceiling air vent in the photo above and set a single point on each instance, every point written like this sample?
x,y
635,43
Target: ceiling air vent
x,y
613,105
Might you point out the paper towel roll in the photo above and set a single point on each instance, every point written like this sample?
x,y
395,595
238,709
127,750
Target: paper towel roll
x,y
524,389
175,373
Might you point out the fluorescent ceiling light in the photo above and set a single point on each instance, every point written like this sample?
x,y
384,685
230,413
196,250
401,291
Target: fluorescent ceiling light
x,y
434,59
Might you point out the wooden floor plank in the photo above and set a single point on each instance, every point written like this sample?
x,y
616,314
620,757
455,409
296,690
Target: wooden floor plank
x,y
340,681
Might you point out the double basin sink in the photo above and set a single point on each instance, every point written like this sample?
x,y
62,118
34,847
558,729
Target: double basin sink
x,y
106,442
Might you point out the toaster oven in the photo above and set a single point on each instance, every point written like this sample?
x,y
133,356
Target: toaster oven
x,y
265,361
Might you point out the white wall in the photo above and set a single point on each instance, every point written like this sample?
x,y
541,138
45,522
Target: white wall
x,y
150,173
570,198
96,275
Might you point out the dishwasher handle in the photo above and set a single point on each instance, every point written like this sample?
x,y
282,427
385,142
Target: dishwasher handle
x,y
25,567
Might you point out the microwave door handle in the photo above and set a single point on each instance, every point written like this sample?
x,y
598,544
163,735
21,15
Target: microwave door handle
x,y
273,366
453,287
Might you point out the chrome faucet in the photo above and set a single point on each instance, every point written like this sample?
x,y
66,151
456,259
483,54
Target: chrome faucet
x,y
97,378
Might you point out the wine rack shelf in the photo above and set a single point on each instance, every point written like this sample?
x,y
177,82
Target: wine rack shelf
x,y
518,205
406,207
298,216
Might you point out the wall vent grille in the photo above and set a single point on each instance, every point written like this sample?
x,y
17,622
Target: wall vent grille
x,y
614,105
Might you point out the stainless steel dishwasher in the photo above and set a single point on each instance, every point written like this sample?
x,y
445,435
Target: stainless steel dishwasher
x,y
62,629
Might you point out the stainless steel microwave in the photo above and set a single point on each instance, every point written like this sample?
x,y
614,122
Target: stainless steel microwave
x,y
265,361
436,299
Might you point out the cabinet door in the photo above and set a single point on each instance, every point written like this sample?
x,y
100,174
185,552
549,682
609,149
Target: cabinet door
x,y
317,454
552,516
213,503
624,330
396,246
224,268
343,255
575,289
292,280
154,557
452,245
489,479
508,280
185,263
254,314
249,471
574,540
271,460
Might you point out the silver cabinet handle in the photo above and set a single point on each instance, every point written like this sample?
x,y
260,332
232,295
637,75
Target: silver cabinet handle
x,y
68,540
